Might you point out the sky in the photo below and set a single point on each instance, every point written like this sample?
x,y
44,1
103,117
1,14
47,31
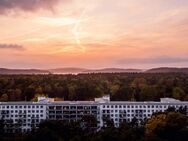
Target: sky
x,y
93,33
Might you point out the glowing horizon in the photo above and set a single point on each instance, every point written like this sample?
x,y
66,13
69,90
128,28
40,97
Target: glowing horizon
x,y
93,33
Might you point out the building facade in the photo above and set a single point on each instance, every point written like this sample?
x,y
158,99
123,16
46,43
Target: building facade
x,y
23,116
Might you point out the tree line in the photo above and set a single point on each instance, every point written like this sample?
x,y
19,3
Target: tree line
x,y
121,86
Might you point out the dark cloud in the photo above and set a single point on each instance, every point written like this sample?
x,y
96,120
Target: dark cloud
x,y
154,60
25,5
11,46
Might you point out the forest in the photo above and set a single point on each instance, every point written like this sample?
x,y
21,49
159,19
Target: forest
x,y
120,86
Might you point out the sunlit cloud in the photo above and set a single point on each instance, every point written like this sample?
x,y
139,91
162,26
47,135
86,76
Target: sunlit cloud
x,y
58,21
101,33
76,32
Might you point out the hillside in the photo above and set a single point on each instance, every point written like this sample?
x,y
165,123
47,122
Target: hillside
x,y
74,70
167,70
113,70
67,70
22,71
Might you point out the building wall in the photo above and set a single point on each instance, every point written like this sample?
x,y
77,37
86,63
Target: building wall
x,y
126,111
23,116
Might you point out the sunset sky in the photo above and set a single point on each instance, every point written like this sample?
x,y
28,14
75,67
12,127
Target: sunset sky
x,y
93,33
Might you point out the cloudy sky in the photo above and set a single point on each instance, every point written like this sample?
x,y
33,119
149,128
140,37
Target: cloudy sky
x,y
93,33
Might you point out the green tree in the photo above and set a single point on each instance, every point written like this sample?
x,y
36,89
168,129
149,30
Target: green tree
x,y
178,93
169,126
39,90
148,93
4,98
114,89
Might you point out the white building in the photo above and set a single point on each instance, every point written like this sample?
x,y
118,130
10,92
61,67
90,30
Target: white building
x,y
23,116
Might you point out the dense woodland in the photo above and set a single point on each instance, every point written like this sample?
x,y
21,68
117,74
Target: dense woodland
x,y
121,86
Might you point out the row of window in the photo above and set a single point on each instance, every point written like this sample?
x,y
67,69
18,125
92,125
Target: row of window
x,y
140,106
130,111
21,106
23,116
20,111
72,107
